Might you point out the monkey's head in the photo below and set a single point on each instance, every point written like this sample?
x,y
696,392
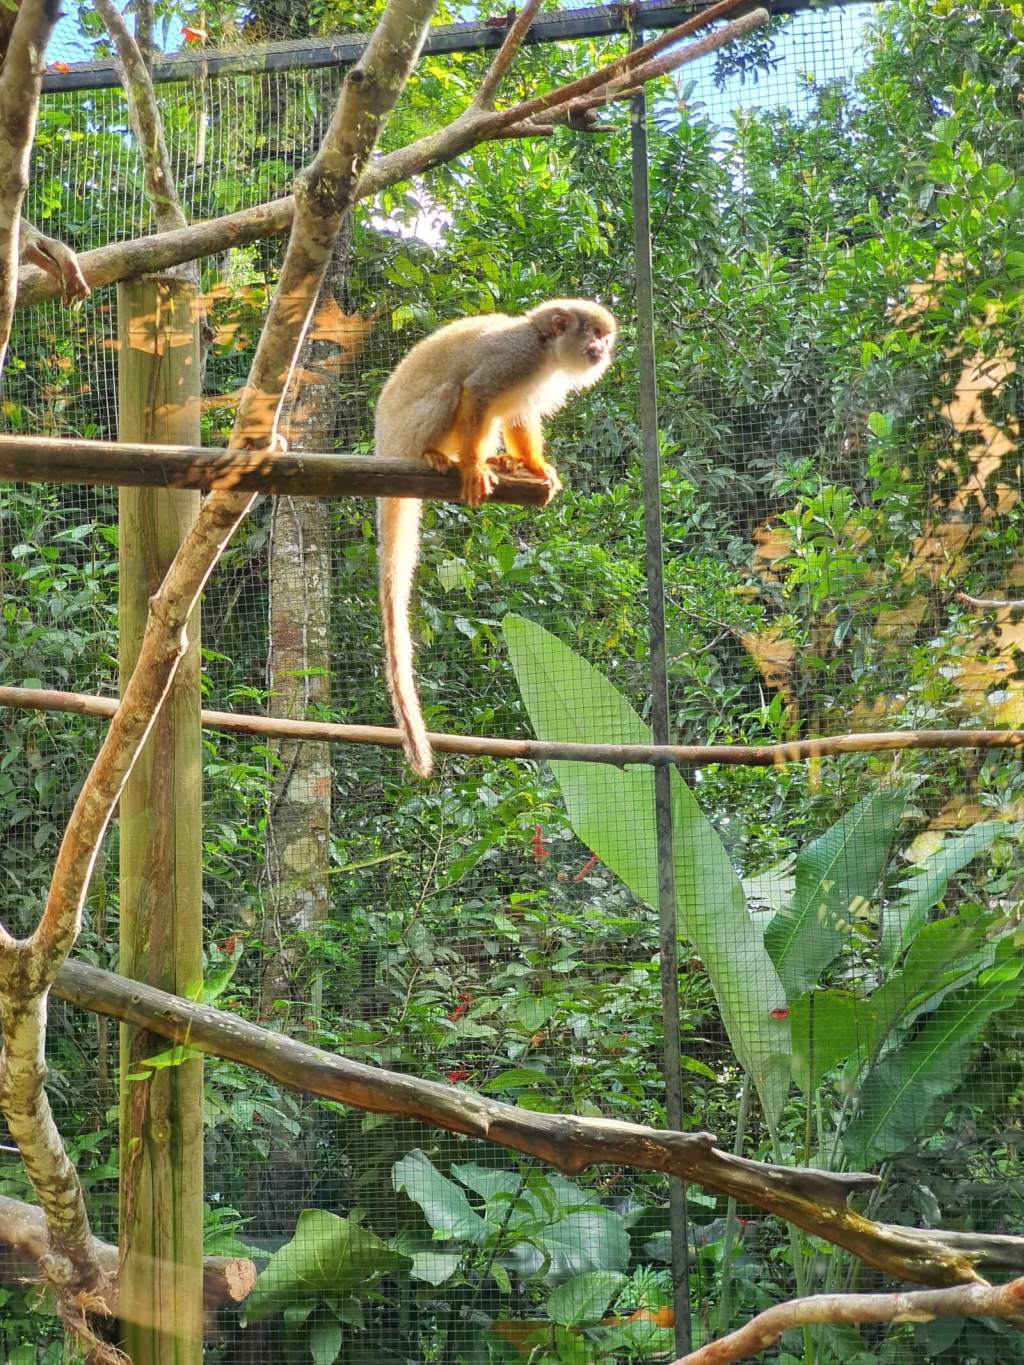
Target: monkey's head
x,y
582,334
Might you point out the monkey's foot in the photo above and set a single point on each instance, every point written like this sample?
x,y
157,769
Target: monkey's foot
x,y
478,483
504,463
437,460
548,474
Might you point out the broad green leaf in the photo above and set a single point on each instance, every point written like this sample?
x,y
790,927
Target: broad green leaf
x,y
435,1266
584,1300
612,812
834,873
444,1205
327,1255
825,1027
903,919
902,1097
325,1342
585,1241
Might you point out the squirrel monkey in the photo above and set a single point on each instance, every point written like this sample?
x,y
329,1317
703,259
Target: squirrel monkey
x,y
449,402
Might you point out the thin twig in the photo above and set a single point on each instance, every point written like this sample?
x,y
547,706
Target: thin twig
x,y
1005,1301
506,55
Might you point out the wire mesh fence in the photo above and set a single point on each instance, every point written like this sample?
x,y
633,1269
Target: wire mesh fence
x,y
838,449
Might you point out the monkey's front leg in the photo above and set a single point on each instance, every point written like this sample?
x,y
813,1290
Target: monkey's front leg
x,y
524,441
471,431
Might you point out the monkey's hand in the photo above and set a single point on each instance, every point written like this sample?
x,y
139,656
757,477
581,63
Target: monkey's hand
x,y
478,483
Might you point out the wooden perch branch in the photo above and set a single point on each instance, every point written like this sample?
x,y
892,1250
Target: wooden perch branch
x,y
1005,1301
41,459
543,751
814,1200
478,123
24,1243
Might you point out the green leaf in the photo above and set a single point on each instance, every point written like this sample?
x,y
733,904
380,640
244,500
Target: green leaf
x,y
435,1267
444,1205
612,812
825,1027
585,1241
834,873
518,1078
902,920
327,1255
584,1300
902,1097
325,1343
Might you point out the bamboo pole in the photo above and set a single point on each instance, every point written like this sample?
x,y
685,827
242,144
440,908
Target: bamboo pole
x,y
544,751
161,1300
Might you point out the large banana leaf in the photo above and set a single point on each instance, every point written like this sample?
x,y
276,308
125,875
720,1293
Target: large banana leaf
x,y
902,920
831,1027
903,1096
612,812
834,873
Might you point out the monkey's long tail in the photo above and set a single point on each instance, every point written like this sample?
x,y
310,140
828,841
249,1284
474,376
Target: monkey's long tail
x,y
398,529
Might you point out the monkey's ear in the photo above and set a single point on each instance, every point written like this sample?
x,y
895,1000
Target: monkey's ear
x,y
560,322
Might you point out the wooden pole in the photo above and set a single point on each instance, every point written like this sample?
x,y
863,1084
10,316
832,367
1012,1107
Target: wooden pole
x,y
161,1298
46,459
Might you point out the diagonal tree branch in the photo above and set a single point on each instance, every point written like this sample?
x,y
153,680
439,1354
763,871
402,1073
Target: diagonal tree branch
x,y
1005,1301
815,1200
506,55
20,79
147,124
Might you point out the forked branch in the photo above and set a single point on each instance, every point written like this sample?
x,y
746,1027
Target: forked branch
x,y
573,104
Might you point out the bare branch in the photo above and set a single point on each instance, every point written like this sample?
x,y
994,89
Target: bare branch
x,y
544,751
814,1200
474,125
20,78
145,21
1005,1301
989,603
147,124
506,55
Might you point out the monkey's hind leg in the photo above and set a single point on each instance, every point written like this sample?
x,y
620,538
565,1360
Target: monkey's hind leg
x,y
474,439
524,441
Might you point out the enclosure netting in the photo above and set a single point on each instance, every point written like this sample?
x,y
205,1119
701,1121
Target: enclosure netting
x,y
838,458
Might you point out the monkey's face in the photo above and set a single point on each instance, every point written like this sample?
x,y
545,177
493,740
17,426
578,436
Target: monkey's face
x,y
589,341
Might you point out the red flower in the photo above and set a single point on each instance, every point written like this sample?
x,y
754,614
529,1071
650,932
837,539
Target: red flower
x,y
458,1073
588,866
537,844
193,35
465,1000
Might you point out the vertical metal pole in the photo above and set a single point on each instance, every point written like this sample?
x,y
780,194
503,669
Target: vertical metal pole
x,y
668,932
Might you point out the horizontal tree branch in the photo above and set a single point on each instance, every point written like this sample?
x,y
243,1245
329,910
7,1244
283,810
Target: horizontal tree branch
x,y
1004,1301
814,1200
538,750
40,459
988,603
23,1235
